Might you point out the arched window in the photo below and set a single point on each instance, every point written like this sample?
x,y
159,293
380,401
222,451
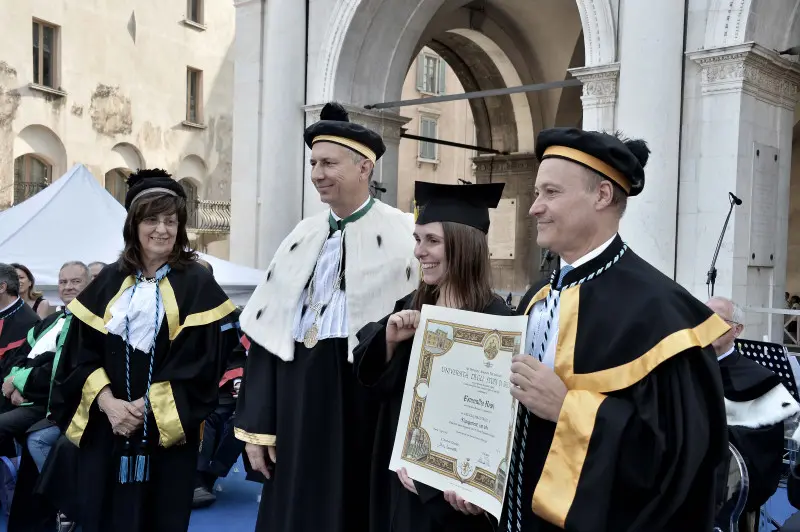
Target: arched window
x,y
192,203
31,174
116,183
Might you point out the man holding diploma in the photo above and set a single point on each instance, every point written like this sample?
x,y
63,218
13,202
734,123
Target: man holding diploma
x,y
623,420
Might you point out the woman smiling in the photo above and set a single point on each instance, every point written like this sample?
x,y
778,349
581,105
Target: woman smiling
x,y
453,251
140,369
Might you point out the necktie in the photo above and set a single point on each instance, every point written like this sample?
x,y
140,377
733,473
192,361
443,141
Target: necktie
x,y
564,271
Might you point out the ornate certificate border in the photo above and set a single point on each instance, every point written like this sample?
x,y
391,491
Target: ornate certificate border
x,y
439,338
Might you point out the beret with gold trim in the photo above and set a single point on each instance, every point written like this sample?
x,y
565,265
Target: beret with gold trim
x,y
335,126
617,159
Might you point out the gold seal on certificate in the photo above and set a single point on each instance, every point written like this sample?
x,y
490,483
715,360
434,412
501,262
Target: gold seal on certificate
x,y
457,419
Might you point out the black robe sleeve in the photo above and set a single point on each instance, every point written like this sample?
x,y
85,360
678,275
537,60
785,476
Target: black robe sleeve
x,y
617,460
369,356
185,387
37,374
79,378
256,406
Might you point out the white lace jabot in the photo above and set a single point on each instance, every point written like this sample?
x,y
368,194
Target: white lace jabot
x,y
141,312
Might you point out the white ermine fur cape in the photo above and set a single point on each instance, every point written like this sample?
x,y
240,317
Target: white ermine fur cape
x,y
773,407
380,268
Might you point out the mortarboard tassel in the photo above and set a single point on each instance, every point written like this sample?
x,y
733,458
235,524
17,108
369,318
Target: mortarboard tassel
x,y
124,464
142,470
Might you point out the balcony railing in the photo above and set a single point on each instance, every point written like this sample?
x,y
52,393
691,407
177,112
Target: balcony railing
x,y
209,216
23,190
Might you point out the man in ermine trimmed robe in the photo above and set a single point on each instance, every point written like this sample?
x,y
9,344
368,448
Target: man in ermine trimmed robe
x,y
756,404
307,423
16,318
622,420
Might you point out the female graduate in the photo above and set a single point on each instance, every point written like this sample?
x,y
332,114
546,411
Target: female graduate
x,y
452,248
140,369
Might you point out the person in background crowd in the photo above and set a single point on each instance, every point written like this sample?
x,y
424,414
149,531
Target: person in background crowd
x,y
140,368
28,292
95,268
16,318
299,400
219,447
453,249
756,404
27,389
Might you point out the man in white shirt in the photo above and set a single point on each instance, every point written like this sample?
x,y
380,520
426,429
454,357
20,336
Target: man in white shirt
x,y
622,419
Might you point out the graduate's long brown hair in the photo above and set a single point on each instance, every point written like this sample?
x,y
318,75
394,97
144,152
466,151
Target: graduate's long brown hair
x,y
130,261
469,273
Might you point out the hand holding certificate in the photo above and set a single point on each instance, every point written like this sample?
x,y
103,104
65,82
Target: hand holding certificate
x,y
458,417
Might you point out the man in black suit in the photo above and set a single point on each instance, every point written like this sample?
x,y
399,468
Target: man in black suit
x,y
756,405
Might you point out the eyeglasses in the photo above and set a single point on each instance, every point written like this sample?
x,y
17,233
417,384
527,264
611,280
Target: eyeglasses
x,y
731,322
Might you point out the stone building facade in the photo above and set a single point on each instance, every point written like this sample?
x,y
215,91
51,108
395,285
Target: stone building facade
x,y
117,86
700,80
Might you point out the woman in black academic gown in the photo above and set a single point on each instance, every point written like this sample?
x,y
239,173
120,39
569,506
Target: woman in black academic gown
x,y
452,248
139,370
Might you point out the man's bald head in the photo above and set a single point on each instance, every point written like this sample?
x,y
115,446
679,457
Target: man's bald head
x,y
733,315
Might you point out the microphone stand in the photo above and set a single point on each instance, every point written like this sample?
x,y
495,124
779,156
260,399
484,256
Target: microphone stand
x,y
711,279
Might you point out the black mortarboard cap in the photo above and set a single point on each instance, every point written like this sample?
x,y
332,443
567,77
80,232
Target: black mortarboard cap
x,y
619,160
153,181
463,204
334,126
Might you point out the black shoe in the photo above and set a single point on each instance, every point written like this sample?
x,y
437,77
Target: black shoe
x,y
64,523
202,498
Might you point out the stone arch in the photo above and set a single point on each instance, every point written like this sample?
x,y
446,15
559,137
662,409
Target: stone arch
x,y
770,23
364,41
42,142
194,168
125,155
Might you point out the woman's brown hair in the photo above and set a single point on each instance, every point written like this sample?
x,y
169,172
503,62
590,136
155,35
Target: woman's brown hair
x,y
469,273
32,294
151,205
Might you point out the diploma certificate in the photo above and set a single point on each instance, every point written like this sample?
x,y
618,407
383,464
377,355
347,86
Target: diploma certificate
x,y
457,419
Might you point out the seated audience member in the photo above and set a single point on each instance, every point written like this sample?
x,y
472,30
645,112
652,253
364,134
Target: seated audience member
x,y
26,391
28,292
16,318
95,268
756,405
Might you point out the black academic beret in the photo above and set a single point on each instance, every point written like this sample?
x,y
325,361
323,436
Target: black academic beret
x,y
334,126
144,182
620,160
463,204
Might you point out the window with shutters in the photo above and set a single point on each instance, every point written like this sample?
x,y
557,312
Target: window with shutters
x,y
427,128
194,96
431,70
45,37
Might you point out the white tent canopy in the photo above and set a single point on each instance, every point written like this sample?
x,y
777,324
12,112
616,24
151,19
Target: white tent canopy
x,y
77,219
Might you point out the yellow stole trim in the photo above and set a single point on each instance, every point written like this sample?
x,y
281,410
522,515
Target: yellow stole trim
x,y
350,143
166,413
538,296
555,492
91,319
208,316
255,439
558,484
592,162
95,382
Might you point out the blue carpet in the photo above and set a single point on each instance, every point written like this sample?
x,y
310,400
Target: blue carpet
x,y
236,507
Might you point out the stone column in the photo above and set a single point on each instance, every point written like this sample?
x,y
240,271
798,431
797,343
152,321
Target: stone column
x,y
246,103
649,107
599,95
512,236
387,124
742,125
270,154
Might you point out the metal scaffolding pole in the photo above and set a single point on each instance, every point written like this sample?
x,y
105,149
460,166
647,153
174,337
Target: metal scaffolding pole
x,y
453,144
479,94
